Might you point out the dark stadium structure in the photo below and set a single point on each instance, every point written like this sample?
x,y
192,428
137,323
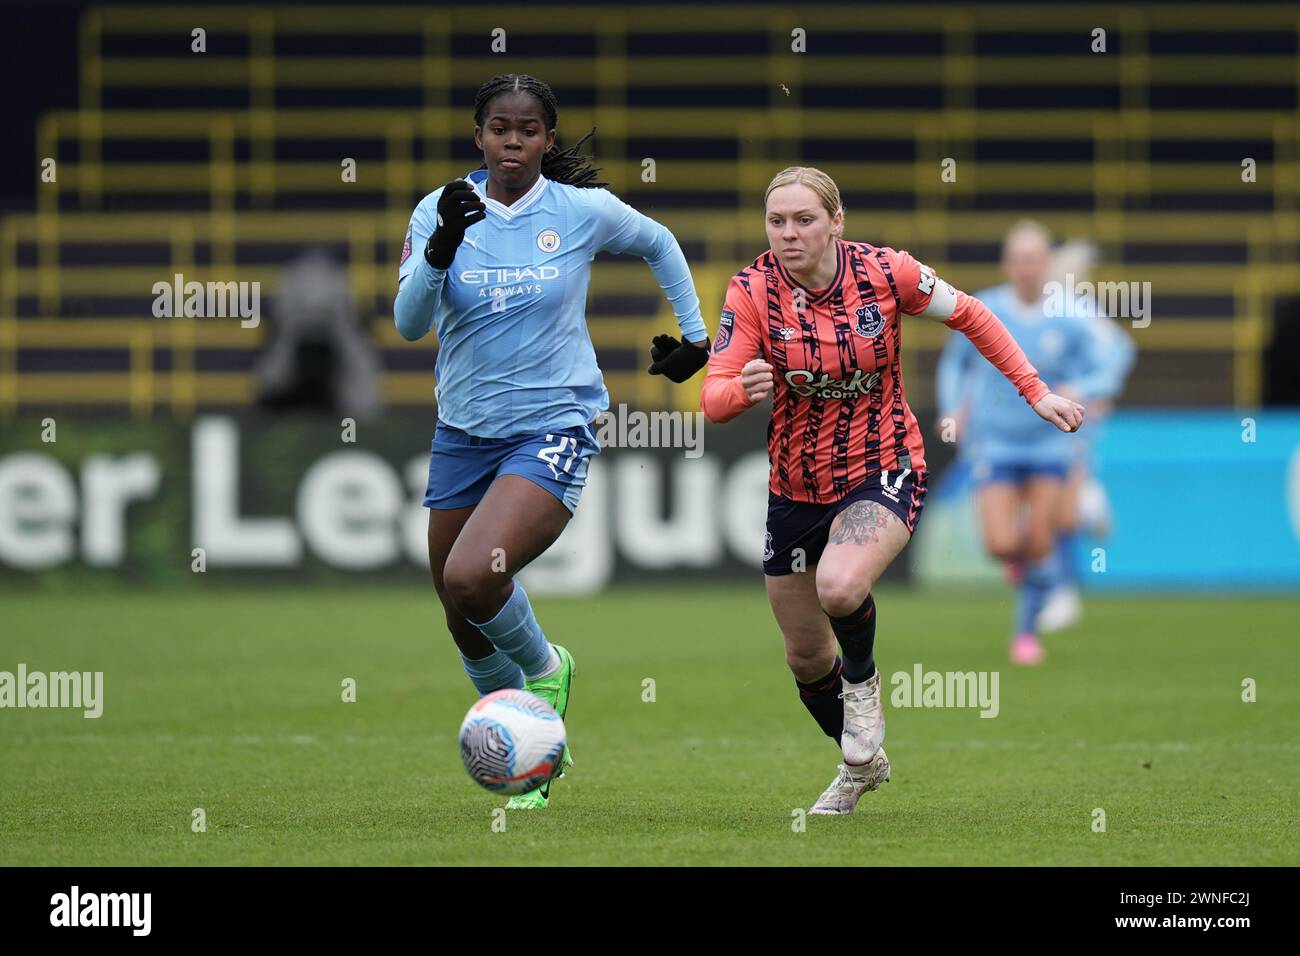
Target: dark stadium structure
x,y
229,162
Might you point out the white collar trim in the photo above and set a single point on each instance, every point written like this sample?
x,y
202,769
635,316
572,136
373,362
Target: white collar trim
x,y
519,206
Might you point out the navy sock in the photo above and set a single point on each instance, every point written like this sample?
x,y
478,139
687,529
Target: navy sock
x,y
856,633
822,698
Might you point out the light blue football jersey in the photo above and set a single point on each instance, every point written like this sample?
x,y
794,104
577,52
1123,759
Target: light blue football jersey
x,y
1001,427
514,352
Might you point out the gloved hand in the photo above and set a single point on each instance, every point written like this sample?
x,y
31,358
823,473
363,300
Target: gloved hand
x,y
458,208
677,360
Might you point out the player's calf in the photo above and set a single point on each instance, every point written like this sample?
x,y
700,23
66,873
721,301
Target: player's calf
x,y
864,716
821,697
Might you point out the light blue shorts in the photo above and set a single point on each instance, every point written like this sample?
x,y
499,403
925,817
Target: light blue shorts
x,y
1016,473
462,466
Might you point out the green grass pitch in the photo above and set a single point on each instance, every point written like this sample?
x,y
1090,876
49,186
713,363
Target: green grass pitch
x,y
230,701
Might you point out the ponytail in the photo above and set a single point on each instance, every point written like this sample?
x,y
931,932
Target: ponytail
x,y
570,168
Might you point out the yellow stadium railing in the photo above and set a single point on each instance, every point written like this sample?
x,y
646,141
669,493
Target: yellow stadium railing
x,y
1119,171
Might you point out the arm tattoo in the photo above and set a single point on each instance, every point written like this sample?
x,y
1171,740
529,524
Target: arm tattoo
x,y
859,523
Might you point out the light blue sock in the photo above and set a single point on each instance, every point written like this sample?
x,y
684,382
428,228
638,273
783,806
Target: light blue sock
x,y
1040,576
1067,568
516,633
494,672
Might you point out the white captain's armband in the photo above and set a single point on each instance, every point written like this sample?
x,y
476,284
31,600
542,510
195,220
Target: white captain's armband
x,y
943,297
926,282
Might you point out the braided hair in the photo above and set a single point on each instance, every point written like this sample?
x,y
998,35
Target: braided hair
x,y
565,166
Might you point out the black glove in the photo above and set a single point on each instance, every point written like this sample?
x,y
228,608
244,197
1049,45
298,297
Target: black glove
x,y
677,360
458,208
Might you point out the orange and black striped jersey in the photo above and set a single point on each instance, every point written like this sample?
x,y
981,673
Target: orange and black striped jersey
x,y
839,412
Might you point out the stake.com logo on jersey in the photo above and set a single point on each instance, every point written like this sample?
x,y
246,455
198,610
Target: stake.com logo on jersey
x,y
806,383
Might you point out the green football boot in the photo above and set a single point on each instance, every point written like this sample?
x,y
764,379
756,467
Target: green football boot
x,y
554,689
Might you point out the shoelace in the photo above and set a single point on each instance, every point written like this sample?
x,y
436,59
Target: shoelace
x,y
860,701
844,782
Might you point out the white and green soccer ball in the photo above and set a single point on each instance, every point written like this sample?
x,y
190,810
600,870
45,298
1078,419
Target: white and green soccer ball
x,y
512,741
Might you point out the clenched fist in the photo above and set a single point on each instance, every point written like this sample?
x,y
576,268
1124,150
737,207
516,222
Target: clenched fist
x,y
1065,414
756,377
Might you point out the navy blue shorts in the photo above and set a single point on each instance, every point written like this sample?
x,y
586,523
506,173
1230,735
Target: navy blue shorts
x,y
462,466
806,526
1016,473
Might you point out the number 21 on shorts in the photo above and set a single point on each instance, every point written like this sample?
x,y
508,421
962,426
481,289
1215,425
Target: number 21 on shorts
x,y
552,454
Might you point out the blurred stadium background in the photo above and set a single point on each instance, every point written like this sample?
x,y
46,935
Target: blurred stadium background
x,y
229,165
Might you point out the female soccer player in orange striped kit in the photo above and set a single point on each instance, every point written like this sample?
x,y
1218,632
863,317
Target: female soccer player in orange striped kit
x,y
815,322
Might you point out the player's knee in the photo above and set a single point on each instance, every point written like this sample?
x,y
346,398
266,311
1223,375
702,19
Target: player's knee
x,y
1002,549
841,596
474,591
808,666
1038,546
439,583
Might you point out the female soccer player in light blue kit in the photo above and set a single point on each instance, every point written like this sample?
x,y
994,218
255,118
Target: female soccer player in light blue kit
x,y
502,278
1017,465
1084,503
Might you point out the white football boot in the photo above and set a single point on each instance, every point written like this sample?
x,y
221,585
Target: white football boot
x,y
850,784
1095,514
1063,609
864,721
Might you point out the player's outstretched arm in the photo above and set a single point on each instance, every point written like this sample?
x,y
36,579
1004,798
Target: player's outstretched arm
x,y
922,293
620,229
986,332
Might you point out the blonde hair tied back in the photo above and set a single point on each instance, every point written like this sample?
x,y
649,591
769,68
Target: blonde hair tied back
x,y
816,180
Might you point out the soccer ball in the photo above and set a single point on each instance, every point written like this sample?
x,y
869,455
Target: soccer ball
x,y
511,741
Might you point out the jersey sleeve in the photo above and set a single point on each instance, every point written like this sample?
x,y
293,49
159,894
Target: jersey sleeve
x,y
739,340
920,291
417,235
621,229
419,285
617,224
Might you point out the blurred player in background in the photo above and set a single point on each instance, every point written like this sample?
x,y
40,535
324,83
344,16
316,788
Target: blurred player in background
x,y
1020,469
815,322
500,269
319,356
1085,505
